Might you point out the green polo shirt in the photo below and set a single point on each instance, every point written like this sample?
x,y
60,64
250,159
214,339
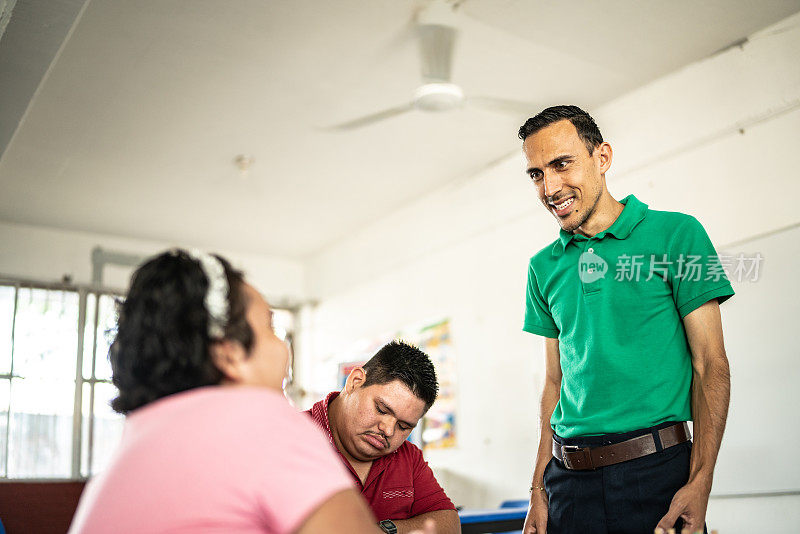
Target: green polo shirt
x,y
615,302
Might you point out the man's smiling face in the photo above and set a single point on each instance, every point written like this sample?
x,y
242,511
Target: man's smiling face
x,y
566,175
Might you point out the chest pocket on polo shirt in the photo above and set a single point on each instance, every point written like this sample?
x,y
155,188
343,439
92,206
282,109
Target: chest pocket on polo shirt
x,y
397,502
399,493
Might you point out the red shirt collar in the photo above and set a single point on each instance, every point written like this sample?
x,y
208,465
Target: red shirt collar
x,y
319,413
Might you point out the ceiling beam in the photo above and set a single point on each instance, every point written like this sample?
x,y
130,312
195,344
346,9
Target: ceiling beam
x,y
33,36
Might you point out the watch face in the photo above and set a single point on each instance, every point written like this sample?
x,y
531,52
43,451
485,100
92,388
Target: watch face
x,y
388,526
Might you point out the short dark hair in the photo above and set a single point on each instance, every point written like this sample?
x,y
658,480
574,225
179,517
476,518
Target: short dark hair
x,y
162,344
400,361
583,122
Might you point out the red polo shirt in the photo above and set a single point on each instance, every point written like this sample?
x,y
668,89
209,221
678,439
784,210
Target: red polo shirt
x,y
399,485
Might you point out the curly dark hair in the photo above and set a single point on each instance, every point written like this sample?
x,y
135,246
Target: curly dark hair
x,y
162,344
583,122
400,361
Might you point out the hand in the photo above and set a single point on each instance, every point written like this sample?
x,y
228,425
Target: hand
x,y
428,528
536,520
690,504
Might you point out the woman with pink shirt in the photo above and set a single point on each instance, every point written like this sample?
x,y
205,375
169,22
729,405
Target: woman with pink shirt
x,y
210,444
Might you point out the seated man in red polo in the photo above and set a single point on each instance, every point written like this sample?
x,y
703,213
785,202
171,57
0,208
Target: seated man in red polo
x,y
368,423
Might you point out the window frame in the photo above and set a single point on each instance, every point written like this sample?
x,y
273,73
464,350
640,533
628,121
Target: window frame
x,y
83,292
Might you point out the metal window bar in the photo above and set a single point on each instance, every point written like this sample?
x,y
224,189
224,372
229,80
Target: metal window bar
x,y
77,419
10,376
90,419
92,380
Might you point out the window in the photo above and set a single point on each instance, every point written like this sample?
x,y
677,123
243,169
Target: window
x,y
283,324
101,427
55,385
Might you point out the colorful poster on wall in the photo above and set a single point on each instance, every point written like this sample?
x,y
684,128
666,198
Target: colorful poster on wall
x,y
439,424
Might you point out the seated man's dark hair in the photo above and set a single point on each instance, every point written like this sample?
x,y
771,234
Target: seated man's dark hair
x,y
400,361
162,343
583,122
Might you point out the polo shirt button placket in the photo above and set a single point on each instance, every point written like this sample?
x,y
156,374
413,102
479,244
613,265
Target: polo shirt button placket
x,y
594,285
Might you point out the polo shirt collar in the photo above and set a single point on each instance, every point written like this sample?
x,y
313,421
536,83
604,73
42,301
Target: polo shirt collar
x,y
631,215
319,413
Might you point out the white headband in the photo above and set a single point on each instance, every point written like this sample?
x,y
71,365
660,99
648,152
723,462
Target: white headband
x,y
216,300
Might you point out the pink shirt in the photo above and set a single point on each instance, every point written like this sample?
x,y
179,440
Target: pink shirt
x,y
213,459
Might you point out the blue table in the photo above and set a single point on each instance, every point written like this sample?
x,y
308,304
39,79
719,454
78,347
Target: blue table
x,y
495,520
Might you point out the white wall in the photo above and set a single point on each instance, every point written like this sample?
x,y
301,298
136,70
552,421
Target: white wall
x,y
462,252
47,254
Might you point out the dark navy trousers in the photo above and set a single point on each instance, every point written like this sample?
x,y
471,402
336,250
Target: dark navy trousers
x,y
626,498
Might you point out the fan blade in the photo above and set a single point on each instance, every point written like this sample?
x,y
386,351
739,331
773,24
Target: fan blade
x,y
436,43
505,105
369,119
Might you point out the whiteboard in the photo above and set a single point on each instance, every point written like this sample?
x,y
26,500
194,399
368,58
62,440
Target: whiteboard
x,y
761,325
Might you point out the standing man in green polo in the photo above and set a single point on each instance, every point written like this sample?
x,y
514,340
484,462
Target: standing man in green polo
x,y
627,299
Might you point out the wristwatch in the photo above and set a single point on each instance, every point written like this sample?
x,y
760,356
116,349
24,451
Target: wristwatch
x,y
388,526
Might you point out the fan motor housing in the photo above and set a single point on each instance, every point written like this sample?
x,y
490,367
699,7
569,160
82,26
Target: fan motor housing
x,y
438,96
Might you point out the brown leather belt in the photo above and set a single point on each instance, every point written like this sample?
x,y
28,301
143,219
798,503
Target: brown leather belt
x,y
584,458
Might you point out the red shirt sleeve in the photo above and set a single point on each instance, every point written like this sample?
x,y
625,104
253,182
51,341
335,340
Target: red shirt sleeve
x,y
428,494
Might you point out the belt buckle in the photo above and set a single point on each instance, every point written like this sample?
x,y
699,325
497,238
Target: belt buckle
x,y
587,456
568,449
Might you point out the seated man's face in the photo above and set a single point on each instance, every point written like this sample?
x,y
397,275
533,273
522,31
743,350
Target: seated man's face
x,y
378,418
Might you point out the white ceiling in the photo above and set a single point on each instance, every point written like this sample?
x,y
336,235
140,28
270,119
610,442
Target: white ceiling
x,y
134,130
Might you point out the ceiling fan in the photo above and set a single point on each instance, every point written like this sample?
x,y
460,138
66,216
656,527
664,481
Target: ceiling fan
x,y
436,33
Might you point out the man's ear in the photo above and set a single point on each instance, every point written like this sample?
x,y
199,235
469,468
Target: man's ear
x,y
604,154
355,379
228,356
